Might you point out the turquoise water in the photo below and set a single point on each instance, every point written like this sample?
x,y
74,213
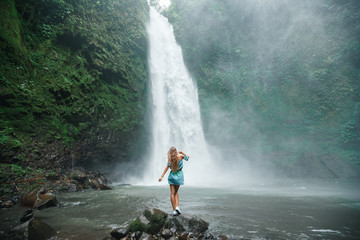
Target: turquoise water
x,y
311,209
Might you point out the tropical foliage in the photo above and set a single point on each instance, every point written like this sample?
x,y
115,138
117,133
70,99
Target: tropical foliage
x,y
71,72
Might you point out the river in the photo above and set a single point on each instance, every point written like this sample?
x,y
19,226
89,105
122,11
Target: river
x,y
291,209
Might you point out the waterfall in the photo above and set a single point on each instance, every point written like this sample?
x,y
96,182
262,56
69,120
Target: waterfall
x,y
175,110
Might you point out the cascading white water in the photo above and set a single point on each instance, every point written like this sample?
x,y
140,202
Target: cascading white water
x,y
175,108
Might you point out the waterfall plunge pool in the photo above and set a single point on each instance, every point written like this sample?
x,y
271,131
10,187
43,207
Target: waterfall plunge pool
x,y
288,209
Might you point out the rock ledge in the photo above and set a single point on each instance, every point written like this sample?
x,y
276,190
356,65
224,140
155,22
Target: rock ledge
x,y
155,224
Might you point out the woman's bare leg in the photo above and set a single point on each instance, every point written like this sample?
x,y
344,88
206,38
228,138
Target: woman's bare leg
x,y
173,196
177,195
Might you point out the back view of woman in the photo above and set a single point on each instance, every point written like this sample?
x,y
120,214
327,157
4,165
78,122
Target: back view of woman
x,y
176,176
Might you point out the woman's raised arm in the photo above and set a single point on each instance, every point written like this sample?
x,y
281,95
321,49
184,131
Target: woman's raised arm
x,y
181,152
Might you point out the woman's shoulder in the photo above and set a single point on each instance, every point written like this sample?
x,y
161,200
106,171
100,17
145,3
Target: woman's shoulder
x,y
183,156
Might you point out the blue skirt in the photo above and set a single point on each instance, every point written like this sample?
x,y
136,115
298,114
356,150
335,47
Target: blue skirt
x,y
176,178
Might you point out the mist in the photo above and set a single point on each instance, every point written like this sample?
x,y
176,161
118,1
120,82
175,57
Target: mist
x,y
277,83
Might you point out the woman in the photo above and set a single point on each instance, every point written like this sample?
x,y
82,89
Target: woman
x,y
176,176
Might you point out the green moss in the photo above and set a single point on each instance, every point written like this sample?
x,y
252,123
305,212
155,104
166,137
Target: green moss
x,y
72,78
10,30
137,225
157,221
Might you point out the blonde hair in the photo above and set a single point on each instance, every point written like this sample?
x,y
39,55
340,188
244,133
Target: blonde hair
x,y
173,159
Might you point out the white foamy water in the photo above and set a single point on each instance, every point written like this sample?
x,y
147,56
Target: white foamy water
x,y
325,231
176,119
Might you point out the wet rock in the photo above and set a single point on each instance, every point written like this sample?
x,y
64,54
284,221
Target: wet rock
x,y
209,236
222,237
93,183
46,200
39,198
8,204
187,224
15,199
29,198
79,179
151,221
184,236
197,225
17,233
87,184
21,227
79,176
146,236
138,235
156,220
191,235
120,232
104,187
173,230
27,216
64,188
40,230
166,233
72,188
155,224
98,181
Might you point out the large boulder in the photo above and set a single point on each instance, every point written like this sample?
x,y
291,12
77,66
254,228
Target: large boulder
x,y
186,224
27,216
46,200
98,181
121,232
28,199
155,224
39,230
79,176
39,198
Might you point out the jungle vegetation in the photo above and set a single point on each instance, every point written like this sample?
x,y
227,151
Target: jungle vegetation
x,y
72,80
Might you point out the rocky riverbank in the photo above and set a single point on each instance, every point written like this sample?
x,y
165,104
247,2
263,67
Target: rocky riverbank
x,y
37,190
152,224
17,183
